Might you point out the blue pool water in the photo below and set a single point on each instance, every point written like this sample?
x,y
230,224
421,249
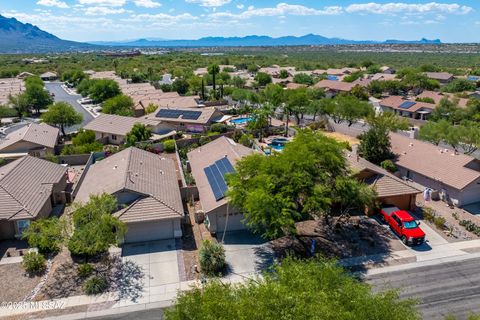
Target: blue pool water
x,y
241,120
278,147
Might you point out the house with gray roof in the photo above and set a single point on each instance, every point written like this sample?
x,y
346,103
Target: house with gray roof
x,y
147,190
34,139
29,188
203,160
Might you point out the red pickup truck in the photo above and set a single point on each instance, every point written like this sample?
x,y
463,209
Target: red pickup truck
x,y
404,225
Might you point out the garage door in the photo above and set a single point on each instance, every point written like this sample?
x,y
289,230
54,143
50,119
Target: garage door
x,y
234,223
149,231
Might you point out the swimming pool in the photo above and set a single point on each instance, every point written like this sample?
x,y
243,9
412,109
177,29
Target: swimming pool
x,y
278,143
241,120
278,147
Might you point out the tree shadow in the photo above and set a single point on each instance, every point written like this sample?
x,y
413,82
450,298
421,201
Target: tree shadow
x,y
127,279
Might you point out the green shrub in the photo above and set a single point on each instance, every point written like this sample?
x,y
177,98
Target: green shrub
x,y
204,140
95,285
85,270
218,127
212,257
246,140
34,263
428,214
439,222
169,146
470,226
389,166
45,234
318,125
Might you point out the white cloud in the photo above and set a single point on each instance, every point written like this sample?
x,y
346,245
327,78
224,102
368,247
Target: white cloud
x,y
408,8
106,3
53,3
282,9
147,3
160,19
103,11
210,3
240,6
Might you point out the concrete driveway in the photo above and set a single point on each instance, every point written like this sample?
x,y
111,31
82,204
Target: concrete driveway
x,y
246,254
159,261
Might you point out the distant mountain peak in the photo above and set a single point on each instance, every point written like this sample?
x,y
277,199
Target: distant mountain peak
x,y
18,37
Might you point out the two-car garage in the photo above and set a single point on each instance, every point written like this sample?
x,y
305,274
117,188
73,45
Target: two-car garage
x,y
153,230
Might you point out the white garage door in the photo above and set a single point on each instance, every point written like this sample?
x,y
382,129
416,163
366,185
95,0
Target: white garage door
x,y
234,223
149,231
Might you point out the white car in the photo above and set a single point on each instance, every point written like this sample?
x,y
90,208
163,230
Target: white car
x,y
86,101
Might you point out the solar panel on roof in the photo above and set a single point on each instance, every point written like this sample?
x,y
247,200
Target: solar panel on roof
x,y
213,183
407,104
175,114
216,177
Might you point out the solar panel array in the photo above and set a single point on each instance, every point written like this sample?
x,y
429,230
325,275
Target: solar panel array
x,y
407,104
216,177
175,114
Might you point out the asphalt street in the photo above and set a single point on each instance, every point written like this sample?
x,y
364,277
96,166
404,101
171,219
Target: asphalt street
x,y
62,95
451,288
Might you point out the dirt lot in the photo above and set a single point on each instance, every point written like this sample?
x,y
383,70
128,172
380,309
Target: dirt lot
x,y
15,284
360,236
342,137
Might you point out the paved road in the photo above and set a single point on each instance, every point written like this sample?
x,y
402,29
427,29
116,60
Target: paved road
x,y
62,95
449,288
443,289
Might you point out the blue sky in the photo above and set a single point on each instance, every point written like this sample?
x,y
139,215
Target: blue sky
x,y
93,20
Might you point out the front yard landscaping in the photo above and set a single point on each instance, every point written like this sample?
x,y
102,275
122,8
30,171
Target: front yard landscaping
x,y
16,284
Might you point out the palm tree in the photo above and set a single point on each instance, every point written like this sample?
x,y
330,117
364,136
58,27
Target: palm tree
x,y
261,119
214,69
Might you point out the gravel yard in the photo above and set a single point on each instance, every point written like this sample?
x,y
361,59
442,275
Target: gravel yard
x,y
15,283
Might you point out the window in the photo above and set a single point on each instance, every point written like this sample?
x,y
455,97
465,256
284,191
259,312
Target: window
x,y
22,225
114,137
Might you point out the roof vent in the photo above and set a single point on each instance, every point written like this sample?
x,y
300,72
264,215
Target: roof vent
x,y
115,167
411,144
162,172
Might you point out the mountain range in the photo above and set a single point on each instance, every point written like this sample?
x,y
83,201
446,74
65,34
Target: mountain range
x,y
255,41
18,37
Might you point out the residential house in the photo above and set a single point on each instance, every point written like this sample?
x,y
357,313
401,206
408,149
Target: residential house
x,y
29,188
34,139
442,77
384,77
438,96
147,190
333,88
407,108
166,79
112,129
389,188
185,119
209,164
387,70
456,176
49,76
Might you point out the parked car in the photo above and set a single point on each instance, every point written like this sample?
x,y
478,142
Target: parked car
x,y
86,101
404,225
